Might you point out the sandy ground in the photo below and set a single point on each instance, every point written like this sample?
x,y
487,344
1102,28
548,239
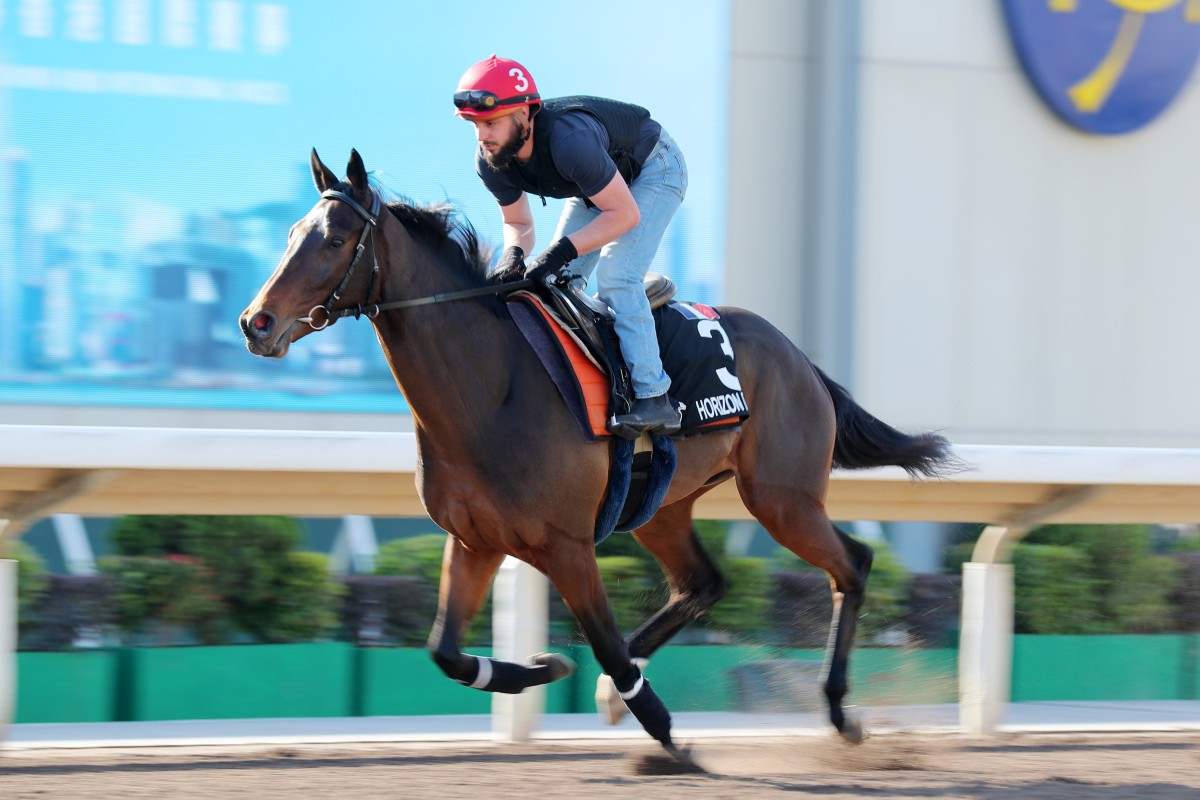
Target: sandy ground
x,y
885,767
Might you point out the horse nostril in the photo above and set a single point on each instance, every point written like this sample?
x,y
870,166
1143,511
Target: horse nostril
x,y
262,323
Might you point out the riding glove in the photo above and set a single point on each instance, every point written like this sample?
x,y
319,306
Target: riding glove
x,y
511,266
551,261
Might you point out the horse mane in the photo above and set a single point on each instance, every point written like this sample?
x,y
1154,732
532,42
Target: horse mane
x,y
439,226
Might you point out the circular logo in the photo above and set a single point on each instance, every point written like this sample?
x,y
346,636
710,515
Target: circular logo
x,y
1106,66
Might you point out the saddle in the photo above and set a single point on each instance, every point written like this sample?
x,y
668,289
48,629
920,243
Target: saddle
x,y
590,322
574,338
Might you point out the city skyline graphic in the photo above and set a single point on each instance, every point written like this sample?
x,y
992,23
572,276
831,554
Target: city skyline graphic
x,y
154,155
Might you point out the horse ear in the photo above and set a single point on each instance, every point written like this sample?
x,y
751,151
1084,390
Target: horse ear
x,y
323,176
356,173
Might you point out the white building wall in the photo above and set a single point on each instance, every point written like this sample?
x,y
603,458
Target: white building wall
x,y
769,68
1008,278
1018,281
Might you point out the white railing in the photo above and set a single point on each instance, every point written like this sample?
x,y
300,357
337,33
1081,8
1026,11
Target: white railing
x,y
103,470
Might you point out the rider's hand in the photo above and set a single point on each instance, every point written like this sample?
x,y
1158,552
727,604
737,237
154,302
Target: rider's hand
x,y
511,266
551,261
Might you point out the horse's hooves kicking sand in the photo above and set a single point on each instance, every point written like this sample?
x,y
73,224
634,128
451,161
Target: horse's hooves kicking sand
x,y
852,730
673,761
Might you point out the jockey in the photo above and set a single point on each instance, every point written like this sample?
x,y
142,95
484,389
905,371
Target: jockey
x,y
623,179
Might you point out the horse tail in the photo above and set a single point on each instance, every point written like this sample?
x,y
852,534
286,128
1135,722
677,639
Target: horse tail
x,y
864,441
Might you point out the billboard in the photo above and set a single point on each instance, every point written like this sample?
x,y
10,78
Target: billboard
x,y
153,154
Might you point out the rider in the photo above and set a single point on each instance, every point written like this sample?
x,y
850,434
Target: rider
x,y
623,179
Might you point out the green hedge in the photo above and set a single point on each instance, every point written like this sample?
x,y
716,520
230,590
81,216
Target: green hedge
x,y
1094,579
217,580
218,577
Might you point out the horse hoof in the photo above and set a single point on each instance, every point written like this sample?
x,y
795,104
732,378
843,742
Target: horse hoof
x,y
852,731
672,761
611,707
559,665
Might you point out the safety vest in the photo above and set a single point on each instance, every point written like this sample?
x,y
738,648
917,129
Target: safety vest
x,y
623,121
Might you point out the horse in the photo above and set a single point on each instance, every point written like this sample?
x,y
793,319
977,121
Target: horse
x,y
504,470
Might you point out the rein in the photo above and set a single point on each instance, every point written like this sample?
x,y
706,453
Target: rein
x,y
322,316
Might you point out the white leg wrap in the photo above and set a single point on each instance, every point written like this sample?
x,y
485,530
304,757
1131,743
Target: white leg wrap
x,y
485,673
637,687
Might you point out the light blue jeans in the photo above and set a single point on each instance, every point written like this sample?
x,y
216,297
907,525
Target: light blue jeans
x,y
621,265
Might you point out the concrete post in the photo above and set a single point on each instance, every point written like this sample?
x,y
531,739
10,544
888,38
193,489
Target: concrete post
x,y
520,629
8,643
985,647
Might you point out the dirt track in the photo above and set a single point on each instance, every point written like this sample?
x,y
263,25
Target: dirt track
x,y
886,767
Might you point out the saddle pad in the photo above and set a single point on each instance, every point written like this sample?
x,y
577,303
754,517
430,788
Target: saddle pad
x,y
582,385
696,352
698,355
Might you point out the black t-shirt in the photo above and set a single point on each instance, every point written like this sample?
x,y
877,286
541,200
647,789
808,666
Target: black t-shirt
x,y
580,153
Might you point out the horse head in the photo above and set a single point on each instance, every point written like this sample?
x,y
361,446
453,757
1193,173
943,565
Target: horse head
x,y
329,255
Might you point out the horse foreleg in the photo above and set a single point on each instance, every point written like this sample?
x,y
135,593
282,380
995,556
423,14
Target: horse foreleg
x,y
574,572
695,584
466,577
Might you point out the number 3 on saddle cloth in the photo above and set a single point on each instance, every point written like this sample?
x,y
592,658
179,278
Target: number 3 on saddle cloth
x,y
578,348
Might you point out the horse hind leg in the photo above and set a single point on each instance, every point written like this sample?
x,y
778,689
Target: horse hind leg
x,y
848,596
807,531
466,577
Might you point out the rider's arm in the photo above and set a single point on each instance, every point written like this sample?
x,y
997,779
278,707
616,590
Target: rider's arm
x,y
580,151
518,224
618,214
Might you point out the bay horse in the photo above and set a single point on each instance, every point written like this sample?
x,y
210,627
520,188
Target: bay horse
x,y
504,469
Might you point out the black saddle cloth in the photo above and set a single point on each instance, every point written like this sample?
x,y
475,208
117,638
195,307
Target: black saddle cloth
x,y
696,353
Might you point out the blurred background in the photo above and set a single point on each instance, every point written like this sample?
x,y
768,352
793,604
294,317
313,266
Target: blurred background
x,y
944,203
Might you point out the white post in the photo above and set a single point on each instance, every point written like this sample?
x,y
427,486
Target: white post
x,y
520,628
74,543
8,643
985,646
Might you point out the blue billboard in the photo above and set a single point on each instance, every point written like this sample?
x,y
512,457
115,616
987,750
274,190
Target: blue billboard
x,y
153,154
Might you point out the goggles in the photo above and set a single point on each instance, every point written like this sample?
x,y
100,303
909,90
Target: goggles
x,y
482,100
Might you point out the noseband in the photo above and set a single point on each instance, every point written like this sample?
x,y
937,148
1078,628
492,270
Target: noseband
x,y
320,317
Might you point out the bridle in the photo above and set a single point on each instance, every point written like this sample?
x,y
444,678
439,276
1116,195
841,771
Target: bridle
x,y
371,218
320,317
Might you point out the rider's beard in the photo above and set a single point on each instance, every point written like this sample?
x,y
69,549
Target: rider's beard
x,y
503,157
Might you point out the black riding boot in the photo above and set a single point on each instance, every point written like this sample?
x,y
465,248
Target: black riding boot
x,y
659,415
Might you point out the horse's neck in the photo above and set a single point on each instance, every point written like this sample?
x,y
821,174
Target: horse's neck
x,y
454,361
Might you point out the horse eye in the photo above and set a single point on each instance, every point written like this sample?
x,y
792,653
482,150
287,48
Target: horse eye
x,y
337,241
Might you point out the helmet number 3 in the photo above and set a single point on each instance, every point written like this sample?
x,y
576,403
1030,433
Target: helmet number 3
x,y
522,82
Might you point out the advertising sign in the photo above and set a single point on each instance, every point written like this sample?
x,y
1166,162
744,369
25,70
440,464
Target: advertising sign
x,y
154,153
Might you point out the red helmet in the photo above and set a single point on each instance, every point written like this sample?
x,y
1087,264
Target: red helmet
x,y
494,87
